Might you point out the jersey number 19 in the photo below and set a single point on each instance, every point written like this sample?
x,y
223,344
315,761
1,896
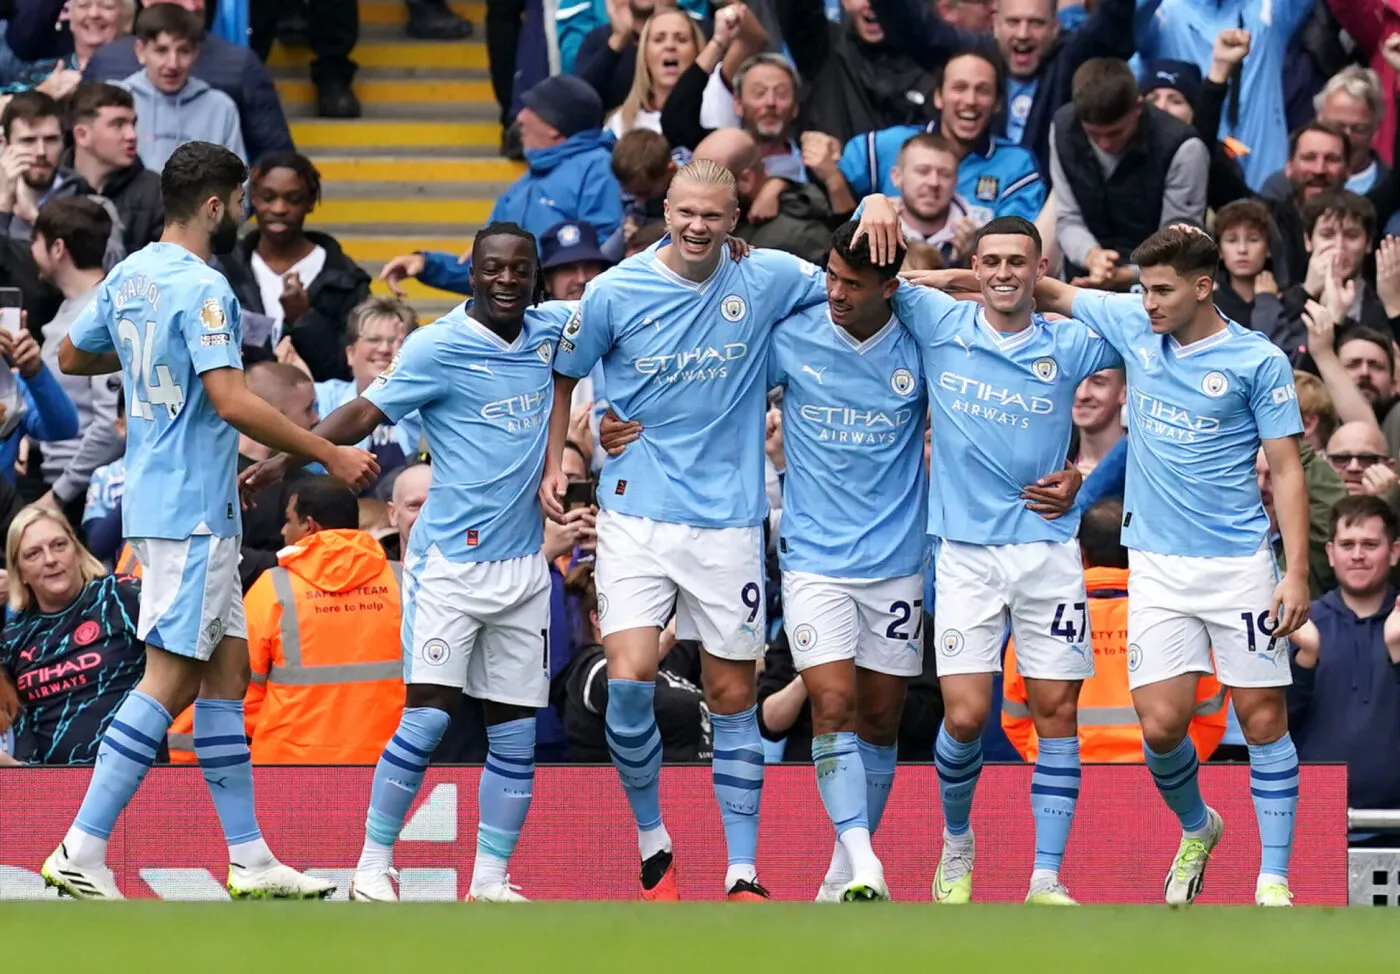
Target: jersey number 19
x,y
150,386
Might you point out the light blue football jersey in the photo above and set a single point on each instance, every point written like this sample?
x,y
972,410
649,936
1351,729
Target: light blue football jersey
x,y
1001,414
170,317
689,362
484,405
855,490
1196,416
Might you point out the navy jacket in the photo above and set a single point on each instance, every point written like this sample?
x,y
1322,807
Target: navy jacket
x,y
1347,708
930,40
234,70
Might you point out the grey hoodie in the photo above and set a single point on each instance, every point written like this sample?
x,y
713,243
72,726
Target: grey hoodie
x,y
68,464
196,112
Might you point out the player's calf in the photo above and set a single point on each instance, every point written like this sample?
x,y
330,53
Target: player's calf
x,y
1273,784
503,798
1054,785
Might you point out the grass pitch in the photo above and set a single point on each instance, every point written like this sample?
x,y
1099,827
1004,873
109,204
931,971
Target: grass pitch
x,y
621,938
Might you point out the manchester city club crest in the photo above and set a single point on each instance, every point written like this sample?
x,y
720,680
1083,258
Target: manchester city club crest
x,y
902,382
1045,369
987,188
1134,657
602,605
732,308
567,235
804,637
1215,384
545,352
436,651
951,643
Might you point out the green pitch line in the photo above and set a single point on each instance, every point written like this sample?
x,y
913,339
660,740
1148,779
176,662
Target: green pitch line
x,y
619,938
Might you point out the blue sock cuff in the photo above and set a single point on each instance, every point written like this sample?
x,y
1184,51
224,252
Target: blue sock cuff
x,y
1059,745
829,745
211,705
1281,749
514,738
732,722
955,748
877,757
154,704
1185,745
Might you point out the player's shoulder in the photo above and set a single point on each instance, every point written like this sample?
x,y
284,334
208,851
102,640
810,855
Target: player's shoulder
x,y
806,326
549,317
765,261
1254,347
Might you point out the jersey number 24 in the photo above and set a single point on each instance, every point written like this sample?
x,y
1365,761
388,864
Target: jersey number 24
x,y
150,386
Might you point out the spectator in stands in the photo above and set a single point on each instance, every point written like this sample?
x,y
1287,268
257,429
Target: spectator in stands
x,y
231,68
290,391
32,141
1173,87
299,279
70,238
375,331
993,172
599,41
331,32
434,20
671,40
69,646
1325,489
801,225
1340,227
1185,30
856,81
931,211
1122,170
1361,457
1109,731
569,259
643,165
1317,162
643,238
580,692
1352,103
33,402
1344,704
102,511
409,494
106,162
174,107
323,638
1027,35
1345,400
1098,417
1369,360
1245,290
1315,405
91,23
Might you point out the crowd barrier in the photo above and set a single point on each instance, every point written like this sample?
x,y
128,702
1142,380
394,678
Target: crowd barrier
x,y
579,842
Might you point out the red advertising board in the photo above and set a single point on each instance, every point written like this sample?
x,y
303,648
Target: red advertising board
x,y
579,842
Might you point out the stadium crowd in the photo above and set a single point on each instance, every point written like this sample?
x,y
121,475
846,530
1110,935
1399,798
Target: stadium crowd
x,y
1272,124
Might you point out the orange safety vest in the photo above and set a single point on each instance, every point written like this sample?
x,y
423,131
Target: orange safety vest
x,y
324,650
1108,725
126,562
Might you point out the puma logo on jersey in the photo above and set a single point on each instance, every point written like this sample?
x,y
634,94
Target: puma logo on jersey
x,y
1147,356
476,367
815,373
962,343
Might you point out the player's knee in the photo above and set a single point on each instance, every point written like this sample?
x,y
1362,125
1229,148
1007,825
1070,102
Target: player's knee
x,y
420,695
880,729
1162,728
965,718
833,710
729,696
1263,720
1056,716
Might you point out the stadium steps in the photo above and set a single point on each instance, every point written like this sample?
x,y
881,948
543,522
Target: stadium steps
x,y
421,169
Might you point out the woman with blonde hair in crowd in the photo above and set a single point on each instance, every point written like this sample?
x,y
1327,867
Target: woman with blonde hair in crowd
x,y
69,651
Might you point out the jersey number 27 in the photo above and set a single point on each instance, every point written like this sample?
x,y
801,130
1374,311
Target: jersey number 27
x,y
150,386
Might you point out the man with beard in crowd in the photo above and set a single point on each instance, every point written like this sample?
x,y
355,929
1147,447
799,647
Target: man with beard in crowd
x,y
31,141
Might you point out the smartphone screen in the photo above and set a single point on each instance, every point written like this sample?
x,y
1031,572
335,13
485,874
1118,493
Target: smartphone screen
x,y
579,493
10,301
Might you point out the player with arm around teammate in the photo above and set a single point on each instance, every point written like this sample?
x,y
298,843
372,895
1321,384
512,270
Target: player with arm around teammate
x,y
1001,384
169,323
1203,394
476,586
683,337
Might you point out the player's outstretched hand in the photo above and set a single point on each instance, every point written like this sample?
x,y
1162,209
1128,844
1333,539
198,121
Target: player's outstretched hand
x,y
738,247
1291,602
353,467
262,474
880,223
552,488
954,281
1053,495
614,433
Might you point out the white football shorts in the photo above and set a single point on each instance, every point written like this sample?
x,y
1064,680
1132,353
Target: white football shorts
x,y
191,596
712,577
1182,607
879,623
1037,586
480,626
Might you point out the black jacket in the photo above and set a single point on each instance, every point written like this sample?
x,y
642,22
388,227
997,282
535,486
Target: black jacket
x,y
135,192
234,70
38,298
851,86
930,40
318,335
802,226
